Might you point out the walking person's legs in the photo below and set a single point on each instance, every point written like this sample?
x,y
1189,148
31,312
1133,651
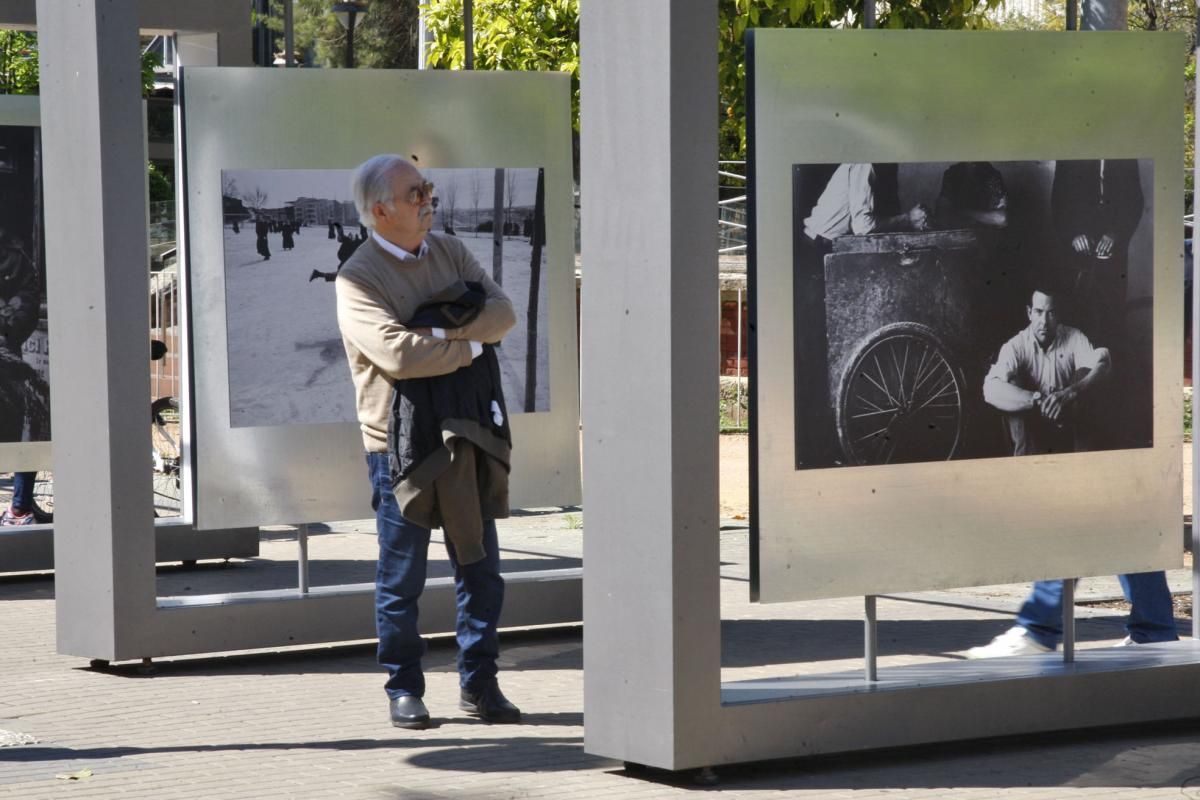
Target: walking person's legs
x,y
1152,614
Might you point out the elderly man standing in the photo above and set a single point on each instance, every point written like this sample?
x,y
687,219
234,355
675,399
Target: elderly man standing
x,y
398,268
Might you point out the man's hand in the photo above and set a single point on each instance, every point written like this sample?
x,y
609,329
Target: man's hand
x,y
1082,244
1055,404
1104,247
918,217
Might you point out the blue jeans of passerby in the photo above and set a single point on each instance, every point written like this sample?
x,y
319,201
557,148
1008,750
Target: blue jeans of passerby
x,y
22,486
1151,616
399,580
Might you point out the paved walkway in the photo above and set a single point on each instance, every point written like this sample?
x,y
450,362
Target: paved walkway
x,y
312,723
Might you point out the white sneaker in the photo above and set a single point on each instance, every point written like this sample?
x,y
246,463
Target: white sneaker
x,y
7,519
1015,641
1127,641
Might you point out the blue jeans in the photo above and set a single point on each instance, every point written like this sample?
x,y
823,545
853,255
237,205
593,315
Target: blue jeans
x,y
22,486
399,580
1151,618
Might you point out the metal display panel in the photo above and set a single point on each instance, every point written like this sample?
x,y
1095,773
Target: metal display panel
x,y
1031,104
651,479
261,469
24,378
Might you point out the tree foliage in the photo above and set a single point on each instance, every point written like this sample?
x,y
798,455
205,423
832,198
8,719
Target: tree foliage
x,y
385,37
19,64
529,35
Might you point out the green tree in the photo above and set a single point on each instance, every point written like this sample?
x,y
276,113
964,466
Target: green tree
x,y
385,37
18,62
529,35
19,75
162,184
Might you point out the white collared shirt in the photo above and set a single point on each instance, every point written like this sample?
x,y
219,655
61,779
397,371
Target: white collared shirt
x,y
1025,363
398,251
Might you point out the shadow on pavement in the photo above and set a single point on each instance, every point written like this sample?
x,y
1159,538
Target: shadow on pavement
x,y
1074,759
541,649
516,753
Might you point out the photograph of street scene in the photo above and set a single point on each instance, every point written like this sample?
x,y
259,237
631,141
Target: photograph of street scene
x,y
24,352
286,235
971,310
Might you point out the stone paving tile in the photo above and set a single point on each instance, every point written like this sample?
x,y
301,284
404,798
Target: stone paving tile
x,y
312,723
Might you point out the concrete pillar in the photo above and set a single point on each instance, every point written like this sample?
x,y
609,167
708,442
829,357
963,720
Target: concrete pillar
x,y
95,199
649,321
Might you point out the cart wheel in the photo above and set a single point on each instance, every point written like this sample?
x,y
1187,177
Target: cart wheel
x,y
901,398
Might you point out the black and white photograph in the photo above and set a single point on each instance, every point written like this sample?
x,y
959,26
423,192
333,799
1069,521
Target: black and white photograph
x,y
288,232
24,354
971,310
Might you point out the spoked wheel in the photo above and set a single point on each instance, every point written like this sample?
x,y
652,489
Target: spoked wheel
x,y
901,398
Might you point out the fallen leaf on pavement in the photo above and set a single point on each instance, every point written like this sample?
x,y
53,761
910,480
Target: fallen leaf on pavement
x,y
75,776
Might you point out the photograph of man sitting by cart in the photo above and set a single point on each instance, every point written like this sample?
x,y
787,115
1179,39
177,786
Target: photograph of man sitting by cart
x,y
971,310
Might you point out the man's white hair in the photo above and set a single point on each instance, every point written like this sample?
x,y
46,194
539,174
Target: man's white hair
x,y
372,183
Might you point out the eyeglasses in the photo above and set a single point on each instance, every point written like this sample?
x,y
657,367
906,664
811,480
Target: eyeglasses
x,y
419,194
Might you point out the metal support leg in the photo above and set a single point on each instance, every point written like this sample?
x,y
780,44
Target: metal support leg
x,y
1195,450
738,406
870,639
1068,620
1195,549
302,557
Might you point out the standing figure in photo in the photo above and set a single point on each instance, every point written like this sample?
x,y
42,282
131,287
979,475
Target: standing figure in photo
x,y
1042,381
1097,206
400,267
260,242
288,242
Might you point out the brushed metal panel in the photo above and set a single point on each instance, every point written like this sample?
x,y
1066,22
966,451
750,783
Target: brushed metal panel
x,y
241,119
33,456
931,96
249,620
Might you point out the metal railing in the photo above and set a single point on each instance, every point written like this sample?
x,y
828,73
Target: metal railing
x,y
731,207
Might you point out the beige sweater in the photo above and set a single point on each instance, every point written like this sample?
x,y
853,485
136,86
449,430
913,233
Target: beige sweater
x,y
375,291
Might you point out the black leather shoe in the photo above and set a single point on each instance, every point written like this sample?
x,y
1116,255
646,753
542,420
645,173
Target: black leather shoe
x,y
408,711
490,705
